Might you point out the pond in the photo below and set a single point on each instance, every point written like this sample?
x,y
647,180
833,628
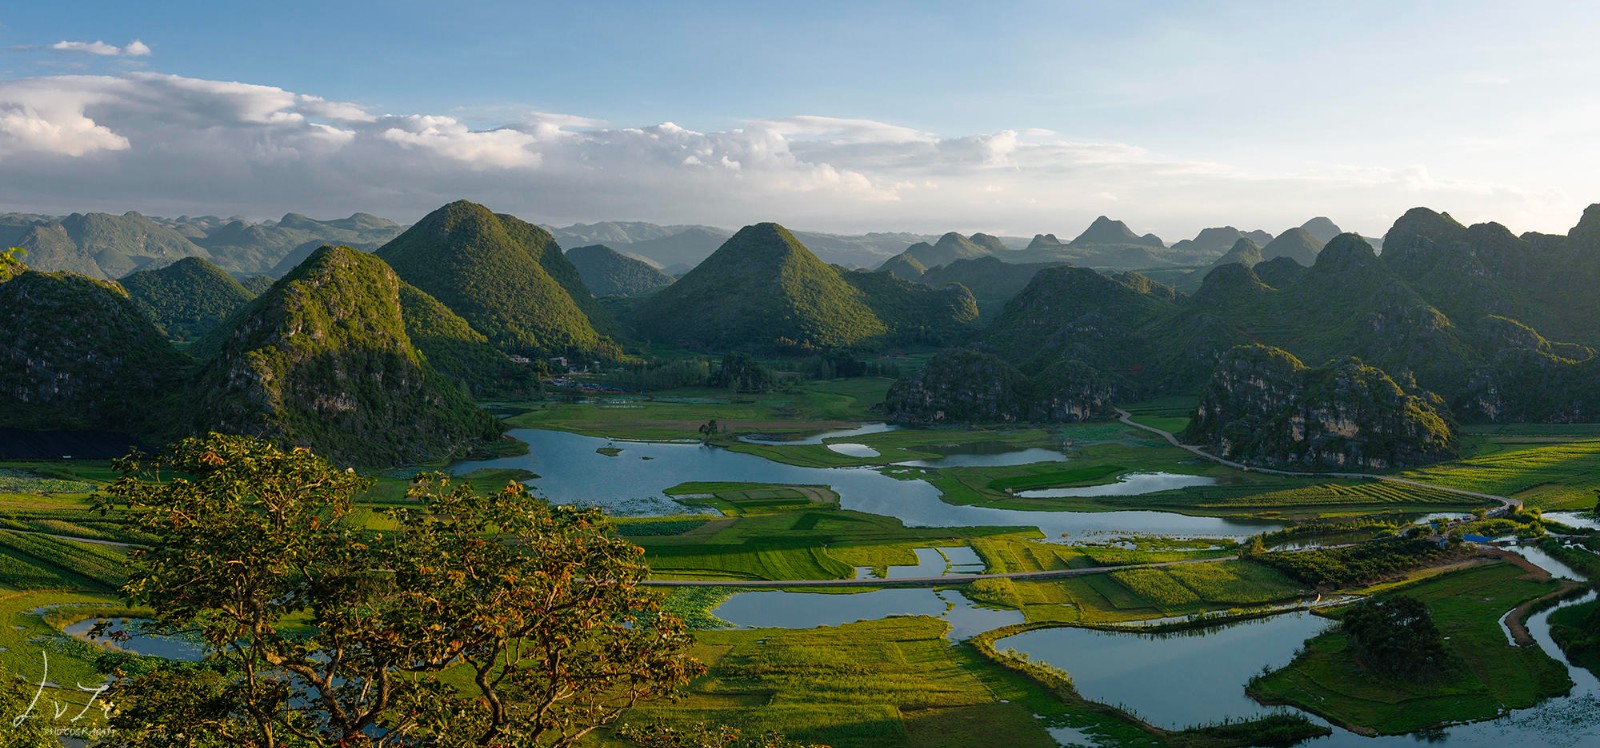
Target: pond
x,y
570,471
138,642
804,610
1132,484
1172,680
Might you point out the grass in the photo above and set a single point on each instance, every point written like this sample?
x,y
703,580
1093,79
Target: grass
x,y
1139,594
891,682
1166,413
24,635
678,414
1571,629
740,499
1550,476
798,543
903,445
1494,676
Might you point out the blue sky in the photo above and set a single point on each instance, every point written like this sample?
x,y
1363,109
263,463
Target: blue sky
x,y
999,116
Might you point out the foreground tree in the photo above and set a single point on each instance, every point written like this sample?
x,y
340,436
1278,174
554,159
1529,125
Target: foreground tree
x,y
477,620
11,262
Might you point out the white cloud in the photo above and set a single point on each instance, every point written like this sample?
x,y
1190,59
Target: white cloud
x,y
134,48
171,144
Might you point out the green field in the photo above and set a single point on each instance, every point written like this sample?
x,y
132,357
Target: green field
x,y
1562,475
1144,594
678,414
741,499
1165,413
891,682
799,543
1494,676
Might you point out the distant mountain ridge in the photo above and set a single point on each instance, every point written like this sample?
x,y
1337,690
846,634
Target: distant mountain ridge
x,y
764,290
607,272
107,246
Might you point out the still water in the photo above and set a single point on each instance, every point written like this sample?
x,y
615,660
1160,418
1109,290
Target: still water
x,y
570,471
168,647
1172,680
804,610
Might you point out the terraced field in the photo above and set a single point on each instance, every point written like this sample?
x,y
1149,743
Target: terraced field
x,y
1548,476
891,682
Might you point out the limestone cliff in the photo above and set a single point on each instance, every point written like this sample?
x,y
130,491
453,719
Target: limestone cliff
x,y
1263,406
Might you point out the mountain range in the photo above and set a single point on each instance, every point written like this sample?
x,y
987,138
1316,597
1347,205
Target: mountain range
x,y
107,246
764,290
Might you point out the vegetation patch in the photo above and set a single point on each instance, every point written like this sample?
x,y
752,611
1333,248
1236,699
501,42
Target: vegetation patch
x,y
1336,568
1330,678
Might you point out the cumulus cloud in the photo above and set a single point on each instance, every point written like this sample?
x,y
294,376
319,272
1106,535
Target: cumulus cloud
x,y
134,48
167,144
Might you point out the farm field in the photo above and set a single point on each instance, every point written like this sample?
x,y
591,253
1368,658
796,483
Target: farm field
x,y
1551,476
802,543
678,414
1142,594
890,682
1494,676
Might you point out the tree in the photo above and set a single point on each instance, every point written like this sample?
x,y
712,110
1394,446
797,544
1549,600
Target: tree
x,y
479,620
1396,636
709,431
742,373
11,263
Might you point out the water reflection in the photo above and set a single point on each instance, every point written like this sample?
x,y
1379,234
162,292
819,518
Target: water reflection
x,y
138,642
1172,680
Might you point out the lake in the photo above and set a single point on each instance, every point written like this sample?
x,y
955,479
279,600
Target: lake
x,y
571,471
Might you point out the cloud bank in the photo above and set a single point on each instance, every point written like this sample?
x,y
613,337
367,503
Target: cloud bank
x,y
169,145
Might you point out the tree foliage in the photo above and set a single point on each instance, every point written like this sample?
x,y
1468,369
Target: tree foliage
x,y
478,620
1396,636
742,373
11,263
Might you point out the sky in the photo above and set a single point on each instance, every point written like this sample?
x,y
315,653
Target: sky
x,y
1006,117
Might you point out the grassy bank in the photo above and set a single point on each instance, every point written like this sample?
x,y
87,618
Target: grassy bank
x,y
1493,676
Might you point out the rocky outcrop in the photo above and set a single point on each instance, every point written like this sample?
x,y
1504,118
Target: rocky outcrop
x,y
323,360
972,387
1263,406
